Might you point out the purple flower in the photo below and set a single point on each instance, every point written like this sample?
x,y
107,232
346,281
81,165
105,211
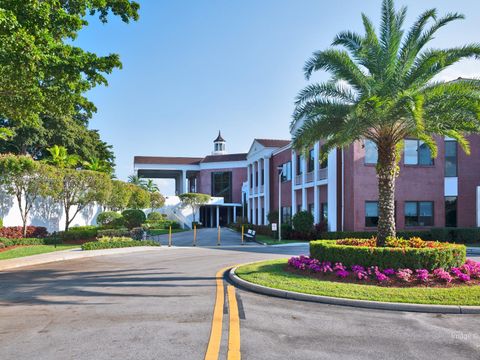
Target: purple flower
x,y
443,275
422,275
389,272
381,277
342,273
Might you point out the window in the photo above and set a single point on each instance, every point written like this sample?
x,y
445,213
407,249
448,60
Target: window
x,y
251,179
371,213
324,211
417,153
450,158
311,209
311,160
263,177
299,208
286,214
371,152
222,185
263,217
287,171
299,165
256,177
419,213
451,211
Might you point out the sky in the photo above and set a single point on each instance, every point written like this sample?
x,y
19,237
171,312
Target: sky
x,y
193,67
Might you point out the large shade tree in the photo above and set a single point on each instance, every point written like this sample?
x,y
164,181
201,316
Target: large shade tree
x,y
383,88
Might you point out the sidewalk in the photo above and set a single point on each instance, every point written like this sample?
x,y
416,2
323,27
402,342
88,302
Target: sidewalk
x,y
68,255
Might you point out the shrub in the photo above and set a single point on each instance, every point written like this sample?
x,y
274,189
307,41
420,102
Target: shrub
x,y
16,232
457,235
272,217
96,245
108,217
80,233
449,256
134,218
1,223
155,216
108,238
303,222
137,233
123,232
27,241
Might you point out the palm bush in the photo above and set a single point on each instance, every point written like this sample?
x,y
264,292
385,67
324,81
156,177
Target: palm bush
x,y
383,89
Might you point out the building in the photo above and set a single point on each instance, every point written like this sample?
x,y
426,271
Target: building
x,y
341,191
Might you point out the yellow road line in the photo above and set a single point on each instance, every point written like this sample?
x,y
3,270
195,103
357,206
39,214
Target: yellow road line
x,y
234,327
216,331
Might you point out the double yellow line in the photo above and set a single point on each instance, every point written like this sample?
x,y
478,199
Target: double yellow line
x,y
213,348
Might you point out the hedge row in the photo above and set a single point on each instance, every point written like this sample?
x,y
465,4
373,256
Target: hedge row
x,y
96,245
27,241
335,235
452,255
456,235
16,232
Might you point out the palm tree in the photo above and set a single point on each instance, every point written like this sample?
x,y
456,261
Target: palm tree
x,y
150,186
60,157
135,180
96,164
382,88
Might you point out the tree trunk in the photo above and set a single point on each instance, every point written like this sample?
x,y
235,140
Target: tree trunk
x,y
387,171
24,220
67,220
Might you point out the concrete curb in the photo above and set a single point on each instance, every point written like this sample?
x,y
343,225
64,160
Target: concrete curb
x,y
425,308
71,254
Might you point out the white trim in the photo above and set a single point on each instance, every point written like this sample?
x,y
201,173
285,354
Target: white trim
x,y
332,190
279,150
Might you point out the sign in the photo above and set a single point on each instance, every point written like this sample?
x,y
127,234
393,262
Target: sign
x,y
274,226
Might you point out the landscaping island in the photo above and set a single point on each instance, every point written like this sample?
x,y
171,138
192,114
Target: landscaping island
x,y
408,271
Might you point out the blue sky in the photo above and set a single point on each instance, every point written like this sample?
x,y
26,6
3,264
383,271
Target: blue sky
x,y
192,67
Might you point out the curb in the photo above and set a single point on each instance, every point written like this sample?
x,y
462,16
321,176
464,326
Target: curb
x,y
72,254
366,304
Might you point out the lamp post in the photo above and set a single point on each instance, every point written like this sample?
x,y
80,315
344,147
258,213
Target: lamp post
x,y
280,173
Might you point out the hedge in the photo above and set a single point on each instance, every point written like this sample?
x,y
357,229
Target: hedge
x,y
82,233
457,235
28,241
16,232
452,255
122,232
96,245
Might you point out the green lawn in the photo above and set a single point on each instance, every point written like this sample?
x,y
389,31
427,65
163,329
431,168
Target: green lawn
x,y
272,274
269,241
156,232
33,250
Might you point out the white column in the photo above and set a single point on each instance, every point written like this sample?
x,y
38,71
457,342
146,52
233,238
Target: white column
x,y
184,182
266,190
254,211
294,175
234,214
249,208
332,190
218,216
304,178
249,171
478,206
316,195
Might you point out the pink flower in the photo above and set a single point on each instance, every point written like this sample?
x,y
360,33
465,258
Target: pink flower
x,y
381,277
342,273
404,274
422,275
443,275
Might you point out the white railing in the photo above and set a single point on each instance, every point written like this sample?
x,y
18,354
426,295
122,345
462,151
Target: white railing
x,y
322,174
298,179
309,177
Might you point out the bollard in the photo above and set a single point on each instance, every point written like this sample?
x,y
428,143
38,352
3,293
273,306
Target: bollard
x,y
170,236
242,233
195,235
218,237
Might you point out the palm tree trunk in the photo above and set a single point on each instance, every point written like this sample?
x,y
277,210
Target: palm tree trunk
x,y
387,171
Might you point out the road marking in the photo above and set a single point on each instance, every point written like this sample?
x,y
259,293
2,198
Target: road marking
x,y
234,326
216,331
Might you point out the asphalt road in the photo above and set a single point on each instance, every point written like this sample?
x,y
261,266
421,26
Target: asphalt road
x,y
159,305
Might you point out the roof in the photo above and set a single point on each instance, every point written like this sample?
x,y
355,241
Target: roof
x,y
227,157
273,142
219,138
167,160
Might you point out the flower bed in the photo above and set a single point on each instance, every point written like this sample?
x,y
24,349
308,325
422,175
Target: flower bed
x,y
468,273
114,243
398,254
16,232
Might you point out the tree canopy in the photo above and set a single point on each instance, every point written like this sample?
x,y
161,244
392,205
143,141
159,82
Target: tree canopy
x,y
383,88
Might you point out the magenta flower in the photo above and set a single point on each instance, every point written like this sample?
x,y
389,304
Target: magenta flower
x,y
422,275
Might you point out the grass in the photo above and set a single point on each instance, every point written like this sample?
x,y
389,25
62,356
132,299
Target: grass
x,y
156,232
272,274
269,241
33,250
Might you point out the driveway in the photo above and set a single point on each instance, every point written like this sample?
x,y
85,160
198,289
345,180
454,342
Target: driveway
x,y
159,305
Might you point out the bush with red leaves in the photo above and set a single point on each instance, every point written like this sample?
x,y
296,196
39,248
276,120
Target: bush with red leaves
x,y
16,232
